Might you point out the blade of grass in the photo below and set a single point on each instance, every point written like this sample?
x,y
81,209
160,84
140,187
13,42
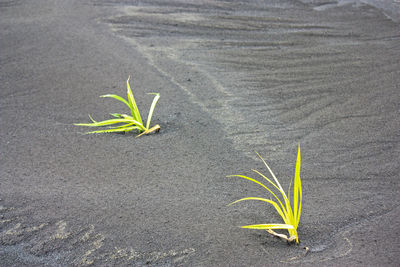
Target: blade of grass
x,y
125,125
290,185
287,203
265,177
116,115
268,226
107,122
276,206
273,175
152,107
92,119
124,129
132,103
117,97
269,190
297,192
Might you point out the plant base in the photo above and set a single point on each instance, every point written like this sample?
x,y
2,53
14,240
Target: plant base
x,y
155,128
290,240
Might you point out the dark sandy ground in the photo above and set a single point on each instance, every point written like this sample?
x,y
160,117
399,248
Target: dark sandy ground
x,y
234,77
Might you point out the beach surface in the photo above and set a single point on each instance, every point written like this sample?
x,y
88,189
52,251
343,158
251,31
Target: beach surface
x,y
235,77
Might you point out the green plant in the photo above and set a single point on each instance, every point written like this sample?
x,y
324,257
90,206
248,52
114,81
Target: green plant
x,y
289,214
123,122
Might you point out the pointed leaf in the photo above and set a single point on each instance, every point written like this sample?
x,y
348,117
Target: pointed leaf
x,y
107,122
124,129
273,175
118,98
290,186
116,115
297,191
265,177
257,182
276,206
92,119
152,107
269,226
132,103
287,203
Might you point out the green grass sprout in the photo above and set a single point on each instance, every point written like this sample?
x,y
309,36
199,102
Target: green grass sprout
x,y
125,123
289,213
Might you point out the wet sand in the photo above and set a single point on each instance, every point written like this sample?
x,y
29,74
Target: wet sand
x,y
234,77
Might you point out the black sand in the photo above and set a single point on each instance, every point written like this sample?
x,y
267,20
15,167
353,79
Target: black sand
x,y
234,77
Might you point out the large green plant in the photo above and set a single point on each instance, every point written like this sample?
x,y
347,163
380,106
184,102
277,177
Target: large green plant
x,y
289,213
123,122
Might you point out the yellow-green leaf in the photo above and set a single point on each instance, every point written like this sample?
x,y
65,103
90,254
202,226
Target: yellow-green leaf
x,y
107,122
297,192
132,103
118,98
269,190
269,226
276,206
152,107
116,130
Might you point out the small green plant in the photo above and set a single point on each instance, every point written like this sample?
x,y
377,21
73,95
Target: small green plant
x,y
123,122
290,214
